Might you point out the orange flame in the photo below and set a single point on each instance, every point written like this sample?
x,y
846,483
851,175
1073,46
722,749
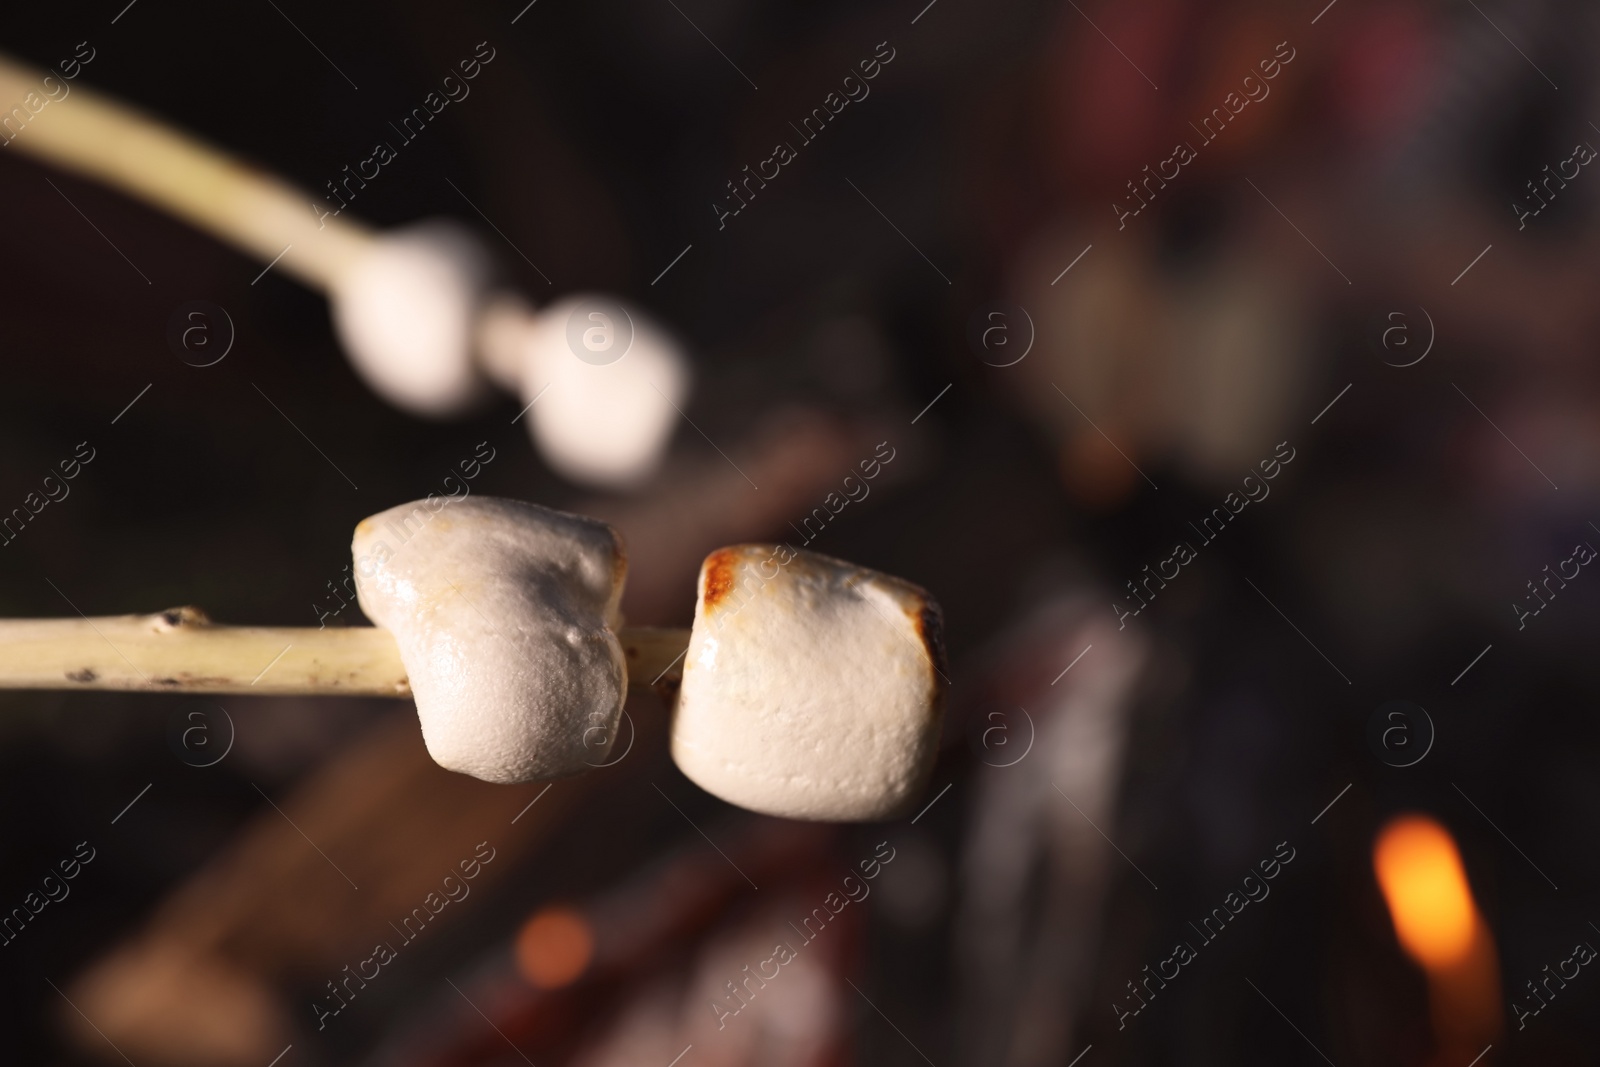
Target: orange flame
x,y
1426,887
1438,924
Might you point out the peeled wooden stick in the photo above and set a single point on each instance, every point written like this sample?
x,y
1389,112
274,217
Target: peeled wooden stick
x,y
182,651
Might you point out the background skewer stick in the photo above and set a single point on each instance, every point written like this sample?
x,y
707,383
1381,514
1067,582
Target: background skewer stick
x,y
94,136
182,651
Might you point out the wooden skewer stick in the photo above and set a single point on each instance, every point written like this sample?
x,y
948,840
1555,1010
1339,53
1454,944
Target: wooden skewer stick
x,y
180,650
92,135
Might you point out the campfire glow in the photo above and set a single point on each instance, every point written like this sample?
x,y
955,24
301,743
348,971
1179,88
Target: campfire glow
x,y
1426,887
1438,925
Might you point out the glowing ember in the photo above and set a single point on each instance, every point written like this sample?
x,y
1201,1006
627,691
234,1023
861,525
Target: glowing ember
x,y
554,947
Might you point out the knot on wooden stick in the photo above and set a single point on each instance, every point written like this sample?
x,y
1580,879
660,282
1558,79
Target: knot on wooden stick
x,y
186,617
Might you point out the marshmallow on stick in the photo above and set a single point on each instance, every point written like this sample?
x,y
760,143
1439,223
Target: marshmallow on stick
x,y
415,309
811,688
535,695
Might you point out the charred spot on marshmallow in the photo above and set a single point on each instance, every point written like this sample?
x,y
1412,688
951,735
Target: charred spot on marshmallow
x,y
718,582
504,615
812,688
930,627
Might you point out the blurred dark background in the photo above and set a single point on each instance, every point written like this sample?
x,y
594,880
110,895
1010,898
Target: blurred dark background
x,y
1166,356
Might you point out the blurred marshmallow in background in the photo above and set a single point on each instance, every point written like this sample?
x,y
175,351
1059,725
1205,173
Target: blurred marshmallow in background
x,y
1195,366
412,306
604,386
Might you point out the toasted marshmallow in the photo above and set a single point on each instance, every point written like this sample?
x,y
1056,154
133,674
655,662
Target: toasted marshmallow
x,y
405,312
812,688
504,615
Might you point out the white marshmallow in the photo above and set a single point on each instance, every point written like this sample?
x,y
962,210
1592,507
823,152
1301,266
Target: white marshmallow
x,y
812,688
609,384
504,615
405,314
